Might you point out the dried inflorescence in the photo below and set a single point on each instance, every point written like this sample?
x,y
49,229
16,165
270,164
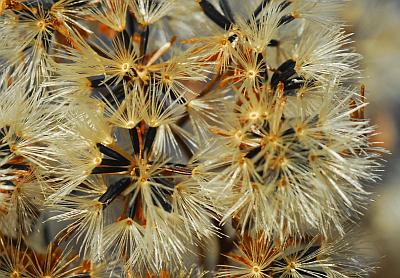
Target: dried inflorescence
x,y
142,130
293,257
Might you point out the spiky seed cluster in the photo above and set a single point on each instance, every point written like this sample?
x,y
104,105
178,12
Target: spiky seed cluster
x,y
141,131
290,165
25,154
292,257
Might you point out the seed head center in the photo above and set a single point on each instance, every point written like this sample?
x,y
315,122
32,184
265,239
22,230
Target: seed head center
x,y
125,67
254,115
256,269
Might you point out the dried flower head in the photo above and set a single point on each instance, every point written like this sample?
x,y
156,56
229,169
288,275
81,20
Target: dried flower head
x,y
140,130
308,257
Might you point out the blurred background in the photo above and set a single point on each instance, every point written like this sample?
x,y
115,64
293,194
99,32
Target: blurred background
x,y
376,25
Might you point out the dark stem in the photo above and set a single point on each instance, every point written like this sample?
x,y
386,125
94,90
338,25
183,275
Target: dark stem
x,y
150,136
114,190
215,15
108,170
15,166
135,140
226,8
286,19
113,162
159,198
111,153
260,8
